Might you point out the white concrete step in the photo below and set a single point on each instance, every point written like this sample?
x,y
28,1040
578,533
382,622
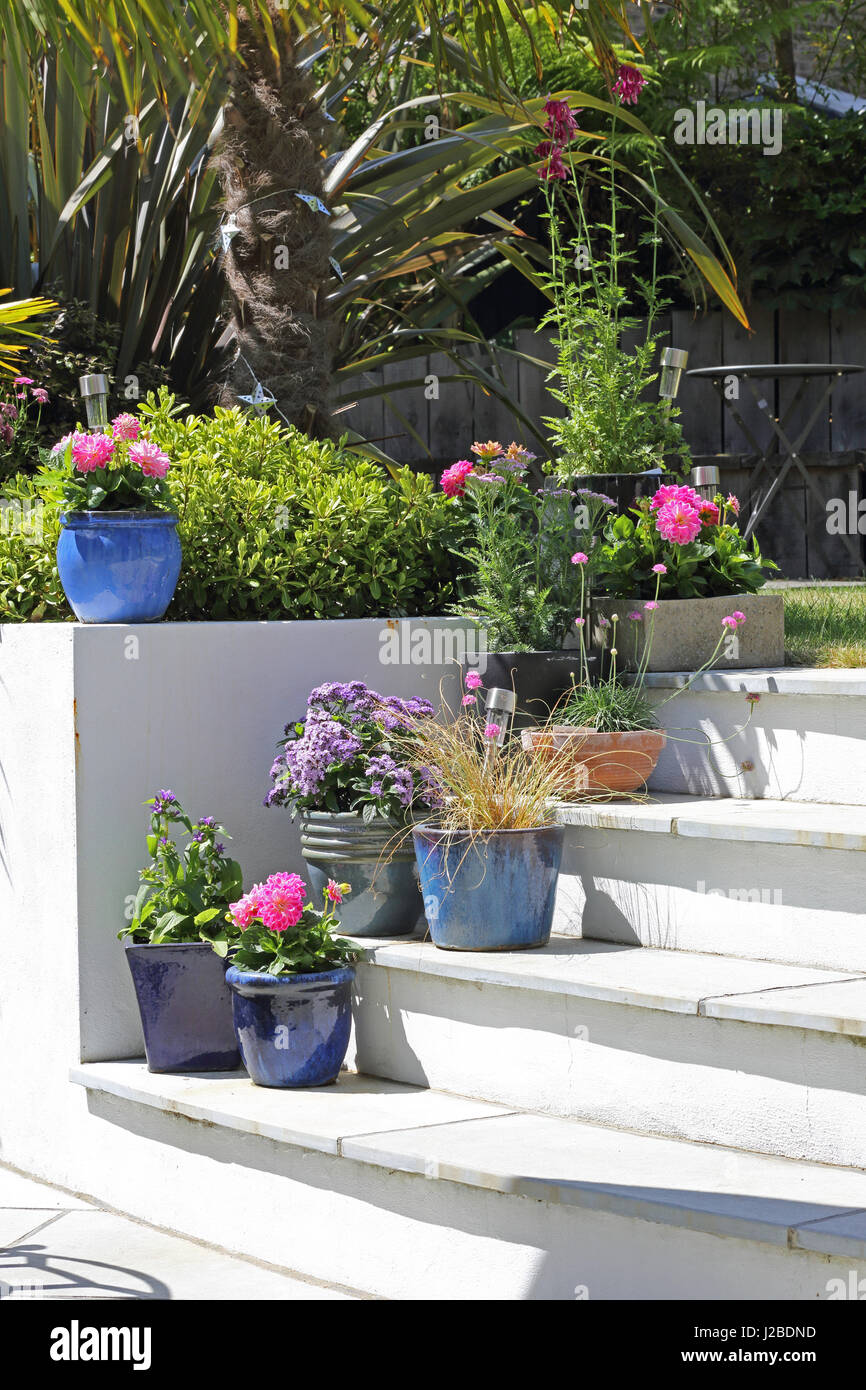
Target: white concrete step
x,y
768,880
754,1055
804,739
416,1195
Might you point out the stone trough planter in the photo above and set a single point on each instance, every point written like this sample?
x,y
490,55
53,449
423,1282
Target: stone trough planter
x,y
686,632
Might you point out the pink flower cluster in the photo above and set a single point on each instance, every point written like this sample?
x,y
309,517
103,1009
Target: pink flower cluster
x,y
561,126
681,512
514,460
92,451
278,903
629,84
454,478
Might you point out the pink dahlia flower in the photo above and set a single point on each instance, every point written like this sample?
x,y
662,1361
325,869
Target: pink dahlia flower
x,y
150,459
675,492
281,901
126,426
678,523
454,478
246,909
91,451
734,504
709,513
333,891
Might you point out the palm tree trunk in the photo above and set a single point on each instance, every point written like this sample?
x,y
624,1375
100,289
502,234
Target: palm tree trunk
x,y
277,266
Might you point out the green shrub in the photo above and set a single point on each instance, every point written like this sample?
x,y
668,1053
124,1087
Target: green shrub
x,y
272,524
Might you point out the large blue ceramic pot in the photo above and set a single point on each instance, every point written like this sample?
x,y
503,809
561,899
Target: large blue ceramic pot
x,y
292,1030
493,892
185,1007
118,567
376,859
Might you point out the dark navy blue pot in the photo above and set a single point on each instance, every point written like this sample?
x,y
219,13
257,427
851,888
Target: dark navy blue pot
x,y
495,893
118,567
185,1007
292,1030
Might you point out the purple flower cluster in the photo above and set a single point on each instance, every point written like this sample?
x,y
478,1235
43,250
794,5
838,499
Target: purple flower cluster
x,y
341,757
164,803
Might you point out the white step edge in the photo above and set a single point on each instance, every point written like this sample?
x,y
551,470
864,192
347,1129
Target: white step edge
x,y
439,1137
770,680
683,982
800,823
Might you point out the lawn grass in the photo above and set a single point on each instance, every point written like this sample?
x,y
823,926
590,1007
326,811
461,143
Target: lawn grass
x,y
825,625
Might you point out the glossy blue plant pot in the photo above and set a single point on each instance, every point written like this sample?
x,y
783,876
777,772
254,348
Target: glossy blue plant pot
x,y
118,567
376,859
185,1007
292,1030
495,893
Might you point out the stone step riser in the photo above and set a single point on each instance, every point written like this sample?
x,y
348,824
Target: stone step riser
x,y
405,1236
797,903
786,1091
794,747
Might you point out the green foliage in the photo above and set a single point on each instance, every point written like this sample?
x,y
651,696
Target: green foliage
x,y
717,563
303,949
610,707
184,895
272,524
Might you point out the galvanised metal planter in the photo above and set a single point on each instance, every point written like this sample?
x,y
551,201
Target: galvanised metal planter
x,y
185,1007
118,567
492,893
376,859
292,1030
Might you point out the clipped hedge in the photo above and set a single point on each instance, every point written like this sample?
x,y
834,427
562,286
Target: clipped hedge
x,y
273,525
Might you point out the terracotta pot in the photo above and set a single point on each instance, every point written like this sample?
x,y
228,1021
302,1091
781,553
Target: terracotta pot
x,y
608,763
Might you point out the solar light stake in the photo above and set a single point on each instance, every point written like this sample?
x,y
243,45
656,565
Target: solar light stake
x,y
94,392
706,481
673,362
499,709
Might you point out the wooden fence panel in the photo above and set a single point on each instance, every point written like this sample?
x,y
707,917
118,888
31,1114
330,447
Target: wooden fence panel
x,y
804,337
698,399
848,413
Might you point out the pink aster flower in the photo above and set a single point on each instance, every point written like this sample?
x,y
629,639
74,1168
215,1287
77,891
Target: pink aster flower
x,y
281,901
629,84
91,451
660,569
553,167
469,700
472,681
678,523
579,559
150,459
454,478
491,730
651,606
126,426
560,121
333,891
23,381
40,395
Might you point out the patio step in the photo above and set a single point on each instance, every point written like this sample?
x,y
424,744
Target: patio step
x,y
764,880
804,739
753,1055
411,1194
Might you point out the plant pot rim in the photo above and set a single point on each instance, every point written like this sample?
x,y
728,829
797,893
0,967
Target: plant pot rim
x,y
236,976
352,816
154,515
426,828
130,945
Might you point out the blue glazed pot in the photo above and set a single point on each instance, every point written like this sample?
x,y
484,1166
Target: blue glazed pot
x,y
496,894
376,859
118,567
292,1030
185,1007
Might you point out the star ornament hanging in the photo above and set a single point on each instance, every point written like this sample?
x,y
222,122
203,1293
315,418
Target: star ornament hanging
x,y
228,231
313,202
260,400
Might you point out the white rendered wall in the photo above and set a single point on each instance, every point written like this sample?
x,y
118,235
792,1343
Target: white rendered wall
x,y
93,720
